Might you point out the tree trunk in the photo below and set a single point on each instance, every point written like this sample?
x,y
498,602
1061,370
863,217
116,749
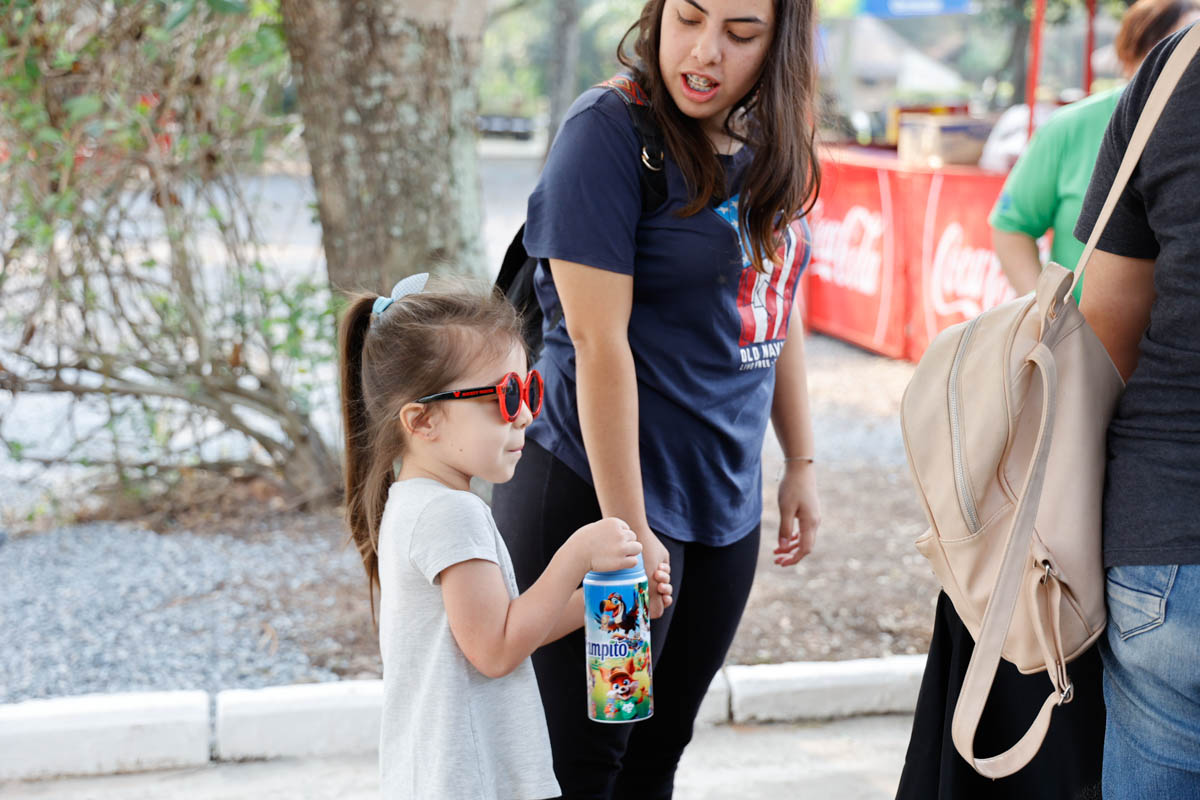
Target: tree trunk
x,y
1017,67
564,61
387,93
313,473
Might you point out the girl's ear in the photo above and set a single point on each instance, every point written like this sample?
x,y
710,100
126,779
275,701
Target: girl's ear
x,y
420,421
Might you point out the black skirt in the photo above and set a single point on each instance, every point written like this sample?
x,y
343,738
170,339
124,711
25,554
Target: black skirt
x,y
1067,767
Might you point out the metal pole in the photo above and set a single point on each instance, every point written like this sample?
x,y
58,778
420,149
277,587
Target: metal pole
x,y
1089,46
1035,60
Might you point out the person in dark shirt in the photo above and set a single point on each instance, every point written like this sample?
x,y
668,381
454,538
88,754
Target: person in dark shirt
x,y
1070,763
1142,298
678,345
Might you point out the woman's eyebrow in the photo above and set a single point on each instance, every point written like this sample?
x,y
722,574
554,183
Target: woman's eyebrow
x,y
703,10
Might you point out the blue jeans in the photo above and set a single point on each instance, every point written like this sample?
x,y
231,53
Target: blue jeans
x,y
1151,660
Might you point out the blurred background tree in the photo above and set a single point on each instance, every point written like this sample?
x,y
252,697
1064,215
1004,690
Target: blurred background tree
x,y
387,90
991,45
539,55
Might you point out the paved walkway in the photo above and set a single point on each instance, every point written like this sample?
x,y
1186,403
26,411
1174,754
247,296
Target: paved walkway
x,y
853,759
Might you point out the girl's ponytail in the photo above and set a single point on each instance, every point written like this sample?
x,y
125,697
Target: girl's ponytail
x,y
368,469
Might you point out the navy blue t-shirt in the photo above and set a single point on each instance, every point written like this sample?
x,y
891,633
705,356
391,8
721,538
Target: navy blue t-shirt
x,y
705,329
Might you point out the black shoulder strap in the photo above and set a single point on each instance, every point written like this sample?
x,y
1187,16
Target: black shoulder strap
x,y
652,175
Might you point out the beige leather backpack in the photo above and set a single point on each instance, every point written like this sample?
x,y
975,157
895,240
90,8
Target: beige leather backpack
x,y
1004,422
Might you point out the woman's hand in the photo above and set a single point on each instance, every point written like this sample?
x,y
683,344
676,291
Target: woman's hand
x,y
799,513
662,577
658,563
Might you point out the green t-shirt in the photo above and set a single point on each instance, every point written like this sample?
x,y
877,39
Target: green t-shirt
x,y
1045,189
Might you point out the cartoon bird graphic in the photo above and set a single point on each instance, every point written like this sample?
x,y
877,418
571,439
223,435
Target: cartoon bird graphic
x,y
612,613
629,621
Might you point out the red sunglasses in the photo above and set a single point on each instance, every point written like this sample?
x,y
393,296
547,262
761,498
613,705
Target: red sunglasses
x,y
510,391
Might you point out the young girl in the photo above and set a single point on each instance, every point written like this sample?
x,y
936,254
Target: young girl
x,y
676,347
438,381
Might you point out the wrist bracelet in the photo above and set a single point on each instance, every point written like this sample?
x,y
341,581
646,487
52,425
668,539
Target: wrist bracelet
x,y
783,467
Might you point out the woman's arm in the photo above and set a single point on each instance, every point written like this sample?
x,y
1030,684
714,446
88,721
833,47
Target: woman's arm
x,y
497,632
1019,258
1117,295
596,307
799,509
1028,203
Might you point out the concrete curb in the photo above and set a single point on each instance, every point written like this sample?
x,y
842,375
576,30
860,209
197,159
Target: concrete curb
x,y
714,710
100,734
818,690
316,719
97,734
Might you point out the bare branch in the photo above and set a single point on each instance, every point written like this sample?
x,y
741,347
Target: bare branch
x,y
504,11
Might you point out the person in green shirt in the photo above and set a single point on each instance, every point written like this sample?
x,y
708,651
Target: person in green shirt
x,y
1044,192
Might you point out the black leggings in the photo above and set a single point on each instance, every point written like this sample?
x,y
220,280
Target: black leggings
x,y
536,512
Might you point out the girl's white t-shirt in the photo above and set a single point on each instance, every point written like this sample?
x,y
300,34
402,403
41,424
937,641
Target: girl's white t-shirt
x,y
448,731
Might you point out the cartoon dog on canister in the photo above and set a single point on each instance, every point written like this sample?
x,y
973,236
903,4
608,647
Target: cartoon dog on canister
x,y
621,680
622,703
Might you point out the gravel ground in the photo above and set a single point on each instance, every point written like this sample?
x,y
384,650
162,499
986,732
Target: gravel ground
x,y
268,598
103,607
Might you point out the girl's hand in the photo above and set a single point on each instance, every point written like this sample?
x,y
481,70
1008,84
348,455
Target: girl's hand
x,y
799,513
608,545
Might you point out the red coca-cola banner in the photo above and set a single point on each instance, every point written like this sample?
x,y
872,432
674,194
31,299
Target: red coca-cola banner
x,y
855,282
900,254
952,272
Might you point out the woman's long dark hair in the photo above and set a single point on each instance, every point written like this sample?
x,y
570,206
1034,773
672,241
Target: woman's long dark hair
x,y
776,120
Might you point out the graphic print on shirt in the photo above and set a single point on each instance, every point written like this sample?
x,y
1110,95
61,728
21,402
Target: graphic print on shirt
x,y
764,300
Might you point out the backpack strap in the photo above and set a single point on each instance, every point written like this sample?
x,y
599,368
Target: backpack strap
x,y
652,176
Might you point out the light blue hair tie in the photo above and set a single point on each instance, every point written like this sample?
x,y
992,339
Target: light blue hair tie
x,y
413,284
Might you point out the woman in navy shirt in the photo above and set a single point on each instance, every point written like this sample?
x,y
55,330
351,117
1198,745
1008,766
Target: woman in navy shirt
x,y
671,355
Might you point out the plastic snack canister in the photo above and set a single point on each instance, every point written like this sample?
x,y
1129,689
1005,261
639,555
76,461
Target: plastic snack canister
x,y
617,630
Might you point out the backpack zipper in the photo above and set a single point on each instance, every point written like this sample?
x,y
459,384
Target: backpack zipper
x,y
960,471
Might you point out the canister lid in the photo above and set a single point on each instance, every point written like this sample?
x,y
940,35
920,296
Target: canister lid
x,y
638,571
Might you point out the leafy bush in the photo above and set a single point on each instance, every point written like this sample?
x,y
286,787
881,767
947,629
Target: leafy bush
x,y
131,275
